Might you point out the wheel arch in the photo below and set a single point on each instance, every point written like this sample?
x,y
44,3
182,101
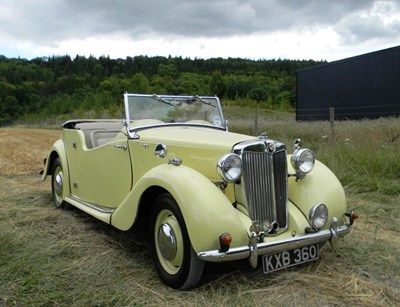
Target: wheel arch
x,y
58,151
145,207
319,186
50,163
207,212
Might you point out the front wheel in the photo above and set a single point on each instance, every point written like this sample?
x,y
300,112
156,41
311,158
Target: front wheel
x,y
173,255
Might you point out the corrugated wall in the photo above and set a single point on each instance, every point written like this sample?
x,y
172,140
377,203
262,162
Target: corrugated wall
x,y
366,86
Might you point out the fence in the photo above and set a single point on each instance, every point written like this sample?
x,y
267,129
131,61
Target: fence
x,y
343,113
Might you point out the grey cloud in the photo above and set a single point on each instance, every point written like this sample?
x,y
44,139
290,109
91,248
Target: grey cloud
x,y
364,29
286,14
52,21
356,29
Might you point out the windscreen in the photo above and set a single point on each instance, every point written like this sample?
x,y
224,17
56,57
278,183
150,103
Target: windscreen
x,y
193,110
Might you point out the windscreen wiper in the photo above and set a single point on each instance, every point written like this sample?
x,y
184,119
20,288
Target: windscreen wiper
x,y
156,97
198,98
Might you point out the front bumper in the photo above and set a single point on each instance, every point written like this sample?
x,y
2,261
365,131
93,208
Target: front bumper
x,y
254,249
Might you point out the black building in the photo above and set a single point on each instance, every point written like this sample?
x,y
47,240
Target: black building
x,y
365,86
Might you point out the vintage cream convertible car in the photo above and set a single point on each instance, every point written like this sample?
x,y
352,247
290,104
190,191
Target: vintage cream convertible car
x,y
202,193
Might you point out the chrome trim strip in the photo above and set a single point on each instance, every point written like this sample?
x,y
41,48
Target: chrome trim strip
x,y
90,205
244,252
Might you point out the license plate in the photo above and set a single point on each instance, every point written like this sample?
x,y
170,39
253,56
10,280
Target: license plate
x,y
286,259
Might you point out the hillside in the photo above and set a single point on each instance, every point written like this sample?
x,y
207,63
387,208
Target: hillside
x,y
43,88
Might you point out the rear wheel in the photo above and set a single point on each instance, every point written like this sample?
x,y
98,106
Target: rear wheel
x,y
173,255
57,184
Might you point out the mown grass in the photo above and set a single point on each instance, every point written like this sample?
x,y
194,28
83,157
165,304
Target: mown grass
x,y
52,257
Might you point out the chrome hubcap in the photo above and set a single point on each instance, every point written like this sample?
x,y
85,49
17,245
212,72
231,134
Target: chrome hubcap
x,y
58,186
167,242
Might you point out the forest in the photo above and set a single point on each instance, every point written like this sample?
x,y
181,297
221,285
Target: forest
x,y
88,86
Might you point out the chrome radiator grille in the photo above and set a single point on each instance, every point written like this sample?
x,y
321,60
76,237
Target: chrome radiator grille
x,y
265,184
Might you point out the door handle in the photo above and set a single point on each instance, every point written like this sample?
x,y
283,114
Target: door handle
x,y
123,146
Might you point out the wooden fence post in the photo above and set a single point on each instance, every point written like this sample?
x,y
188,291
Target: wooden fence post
x,y
332,121
256,122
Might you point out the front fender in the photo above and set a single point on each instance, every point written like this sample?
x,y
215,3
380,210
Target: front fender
x,y
206,210
319,186
58,150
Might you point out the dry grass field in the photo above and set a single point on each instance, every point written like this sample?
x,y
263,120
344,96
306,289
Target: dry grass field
x,y
52,257
22,150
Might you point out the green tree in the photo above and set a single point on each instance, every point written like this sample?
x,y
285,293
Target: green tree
x,y
168,70
192,84
141,84
217,84
258,94
11,107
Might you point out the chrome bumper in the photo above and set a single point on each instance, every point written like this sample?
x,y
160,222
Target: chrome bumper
x,y
254,249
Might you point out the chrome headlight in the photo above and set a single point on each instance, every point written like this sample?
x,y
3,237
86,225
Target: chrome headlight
x,y
318,216
302,161
230,167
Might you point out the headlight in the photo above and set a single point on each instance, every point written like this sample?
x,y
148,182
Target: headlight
x,y
230,167
318,216
303,161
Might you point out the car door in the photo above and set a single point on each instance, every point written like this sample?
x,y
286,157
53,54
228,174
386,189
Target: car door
x,y
102,175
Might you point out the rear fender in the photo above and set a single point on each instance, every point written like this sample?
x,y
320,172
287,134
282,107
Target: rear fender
x,y
58,150
207,212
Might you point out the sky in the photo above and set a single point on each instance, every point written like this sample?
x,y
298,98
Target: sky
x,y
251,29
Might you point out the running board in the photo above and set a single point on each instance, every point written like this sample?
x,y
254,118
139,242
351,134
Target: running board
x,y
102,213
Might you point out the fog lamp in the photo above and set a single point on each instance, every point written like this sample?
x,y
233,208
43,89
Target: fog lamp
x,y
318,216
